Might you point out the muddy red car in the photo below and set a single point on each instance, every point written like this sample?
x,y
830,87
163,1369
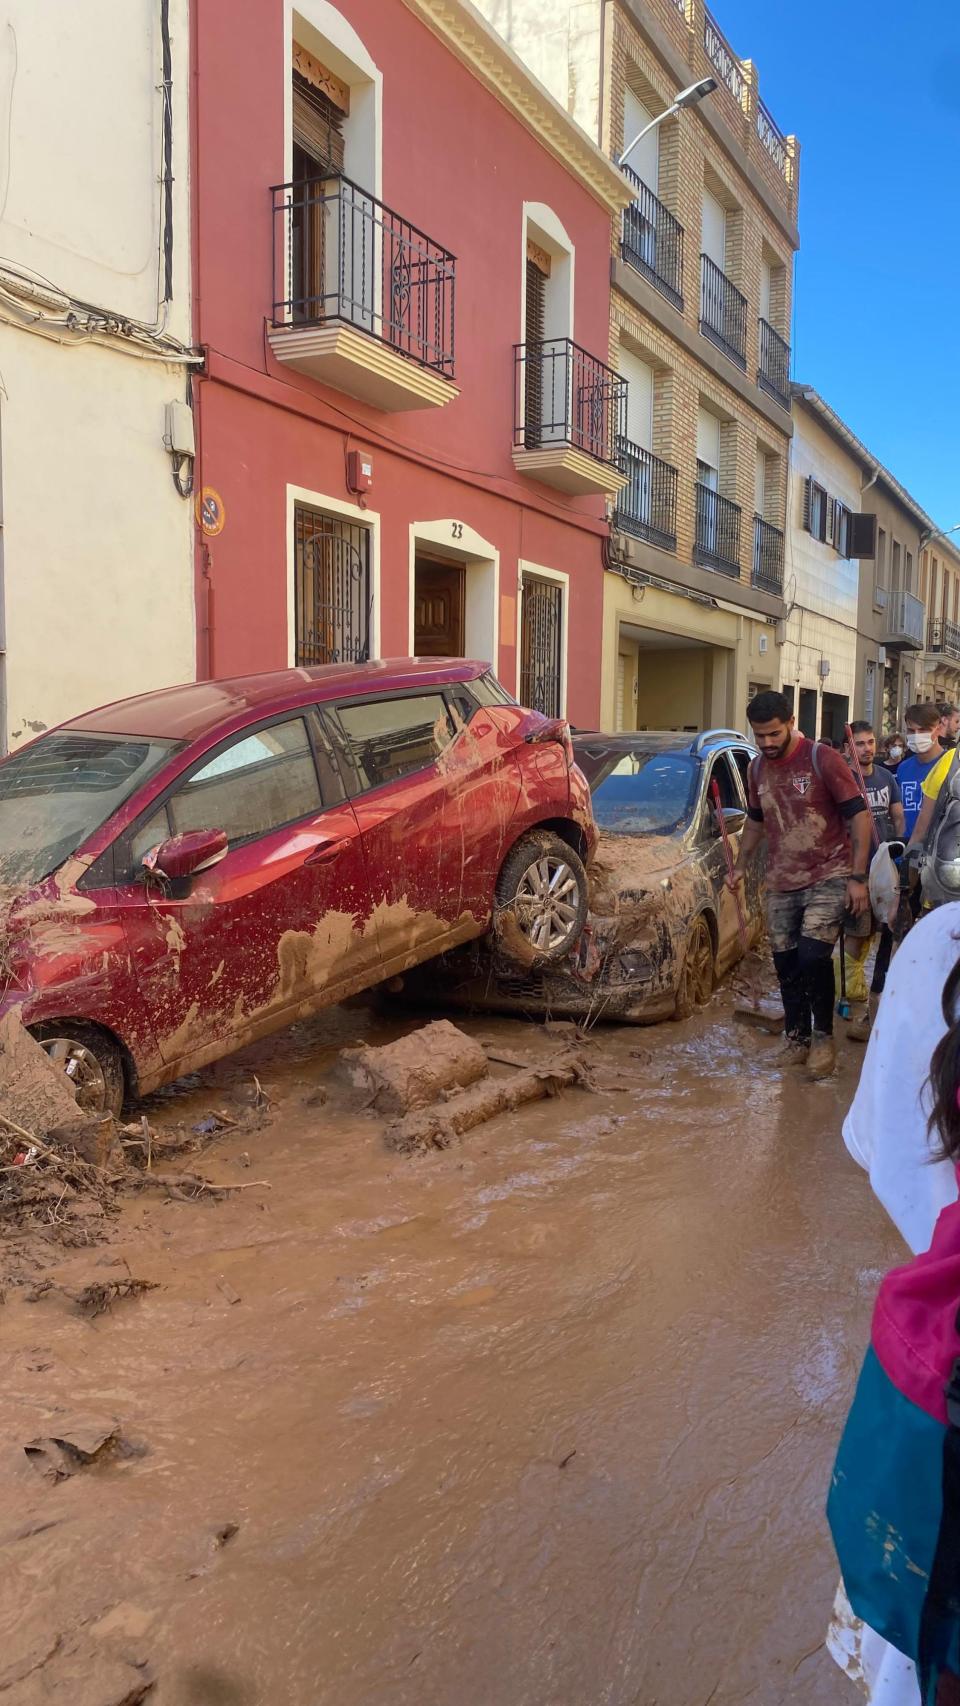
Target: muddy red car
x,y
187,871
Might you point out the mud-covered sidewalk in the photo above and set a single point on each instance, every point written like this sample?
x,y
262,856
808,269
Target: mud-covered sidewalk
x,y
541,1419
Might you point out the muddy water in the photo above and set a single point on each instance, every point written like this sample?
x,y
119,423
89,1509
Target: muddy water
x,y
544,1420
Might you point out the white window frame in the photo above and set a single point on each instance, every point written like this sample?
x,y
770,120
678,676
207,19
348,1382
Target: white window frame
x,y
365,517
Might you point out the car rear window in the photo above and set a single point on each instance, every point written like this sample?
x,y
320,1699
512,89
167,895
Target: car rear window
x,y
640,793
390,738
57,791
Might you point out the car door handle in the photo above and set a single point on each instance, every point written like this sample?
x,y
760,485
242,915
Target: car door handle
x,y
325,850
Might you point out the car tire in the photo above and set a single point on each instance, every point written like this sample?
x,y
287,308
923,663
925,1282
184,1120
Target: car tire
x,y
541,900
697,973
90,1059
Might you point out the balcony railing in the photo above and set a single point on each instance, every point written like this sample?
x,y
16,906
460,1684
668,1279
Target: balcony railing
x,y
944,636
340,256
723,312
767,556
653,241
722,57
647,506
564,396
772,137
773,372
903,622
718,532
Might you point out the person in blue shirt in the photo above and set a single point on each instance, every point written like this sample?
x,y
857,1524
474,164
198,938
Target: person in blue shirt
x,y
925,750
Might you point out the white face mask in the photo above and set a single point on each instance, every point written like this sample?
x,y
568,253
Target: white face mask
x,y
896,752
920,743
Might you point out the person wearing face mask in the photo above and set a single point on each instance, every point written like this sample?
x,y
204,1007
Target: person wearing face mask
x,y
923,740
893,751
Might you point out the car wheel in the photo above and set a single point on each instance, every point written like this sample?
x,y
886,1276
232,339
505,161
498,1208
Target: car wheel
x,y
91,1061
541,900
697,972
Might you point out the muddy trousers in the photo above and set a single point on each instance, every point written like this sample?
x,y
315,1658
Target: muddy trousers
x,y
803,926
806,985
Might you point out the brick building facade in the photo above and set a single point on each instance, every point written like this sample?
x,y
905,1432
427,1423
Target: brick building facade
x,y
700,313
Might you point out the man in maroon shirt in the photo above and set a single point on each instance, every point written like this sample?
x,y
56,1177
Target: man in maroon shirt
x,y
803,798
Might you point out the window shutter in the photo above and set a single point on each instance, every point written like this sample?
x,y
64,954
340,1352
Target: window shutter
x,y
807,490
831,523
317,125
862,536
536,303
533,378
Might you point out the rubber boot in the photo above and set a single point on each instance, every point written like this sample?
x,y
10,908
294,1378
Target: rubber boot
x,y
822,1058
859,1030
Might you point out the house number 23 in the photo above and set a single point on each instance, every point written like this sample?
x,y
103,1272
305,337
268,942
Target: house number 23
x,y
457,529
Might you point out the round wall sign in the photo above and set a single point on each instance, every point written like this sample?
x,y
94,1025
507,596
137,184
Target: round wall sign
x,y
210,510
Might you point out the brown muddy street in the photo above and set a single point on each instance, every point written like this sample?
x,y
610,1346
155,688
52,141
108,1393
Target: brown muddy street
x,y
545,1419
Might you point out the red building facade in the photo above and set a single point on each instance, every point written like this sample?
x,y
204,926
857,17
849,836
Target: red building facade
x,y
401,275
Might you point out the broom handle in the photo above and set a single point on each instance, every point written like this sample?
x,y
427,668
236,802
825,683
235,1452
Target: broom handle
x,y
728,855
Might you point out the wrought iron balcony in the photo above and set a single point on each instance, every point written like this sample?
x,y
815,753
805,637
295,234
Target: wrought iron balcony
x,y
722,57
767,556
569,416
347,270
773,372
723,312
653,241
718,532
944,636
903,622
647,506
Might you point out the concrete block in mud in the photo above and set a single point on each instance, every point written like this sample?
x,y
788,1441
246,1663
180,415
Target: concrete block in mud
x,y
417,1069
34,1093
436,1127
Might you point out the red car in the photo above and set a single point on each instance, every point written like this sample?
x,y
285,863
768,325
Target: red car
x,y
192,869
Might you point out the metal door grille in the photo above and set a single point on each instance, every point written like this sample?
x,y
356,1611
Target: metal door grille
x,y
332,576
541,638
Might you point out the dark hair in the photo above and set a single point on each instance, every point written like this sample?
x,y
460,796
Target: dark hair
x,y
768,707
944,1078
860,727
925,716
945,708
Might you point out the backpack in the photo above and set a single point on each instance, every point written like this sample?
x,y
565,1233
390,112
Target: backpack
x,y
940,865
894,1502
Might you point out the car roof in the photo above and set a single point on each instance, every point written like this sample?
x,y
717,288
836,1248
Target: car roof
x,y
198,707
662,740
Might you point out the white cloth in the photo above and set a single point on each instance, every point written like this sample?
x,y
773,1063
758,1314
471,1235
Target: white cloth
x,y
886,1132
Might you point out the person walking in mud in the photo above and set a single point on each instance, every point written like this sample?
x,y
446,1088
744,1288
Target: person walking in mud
x,y
805,802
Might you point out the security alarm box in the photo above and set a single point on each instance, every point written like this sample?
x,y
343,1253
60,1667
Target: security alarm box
x,y
359,471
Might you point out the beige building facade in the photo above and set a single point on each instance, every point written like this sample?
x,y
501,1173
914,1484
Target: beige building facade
x,y
940,596
701,266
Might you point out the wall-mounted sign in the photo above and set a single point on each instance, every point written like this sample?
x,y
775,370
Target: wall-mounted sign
x,y
210,511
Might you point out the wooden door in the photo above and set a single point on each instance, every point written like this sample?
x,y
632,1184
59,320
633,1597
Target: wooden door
x,y
438,609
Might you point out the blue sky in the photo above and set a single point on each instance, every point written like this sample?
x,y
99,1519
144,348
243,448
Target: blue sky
x,y
872,91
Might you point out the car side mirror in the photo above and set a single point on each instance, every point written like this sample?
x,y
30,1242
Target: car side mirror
x,y
184,855
734,818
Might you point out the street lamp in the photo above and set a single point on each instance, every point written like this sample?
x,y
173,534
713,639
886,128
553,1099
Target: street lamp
x,y
686,98
937,533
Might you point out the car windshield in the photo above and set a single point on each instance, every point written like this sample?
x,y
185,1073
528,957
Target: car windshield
x,y
58,790
640,793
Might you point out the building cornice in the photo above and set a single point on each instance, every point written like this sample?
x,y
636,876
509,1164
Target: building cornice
x,y
477,45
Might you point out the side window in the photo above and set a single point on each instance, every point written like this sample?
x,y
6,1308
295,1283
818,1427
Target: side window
x,y
487,690
389,738
258,783
721,774
462,704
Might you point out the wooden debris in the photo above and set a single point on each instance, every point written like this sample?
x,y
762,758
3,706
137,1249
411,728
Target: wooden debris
x,y
437,1126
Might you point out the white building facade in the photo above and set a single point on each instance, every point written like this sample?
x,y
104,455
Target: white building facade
x,y
818,654
95,327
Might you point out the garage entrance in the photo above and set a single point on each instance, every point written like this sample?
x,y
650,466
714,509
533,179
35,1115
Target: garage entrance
x,y
668,681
